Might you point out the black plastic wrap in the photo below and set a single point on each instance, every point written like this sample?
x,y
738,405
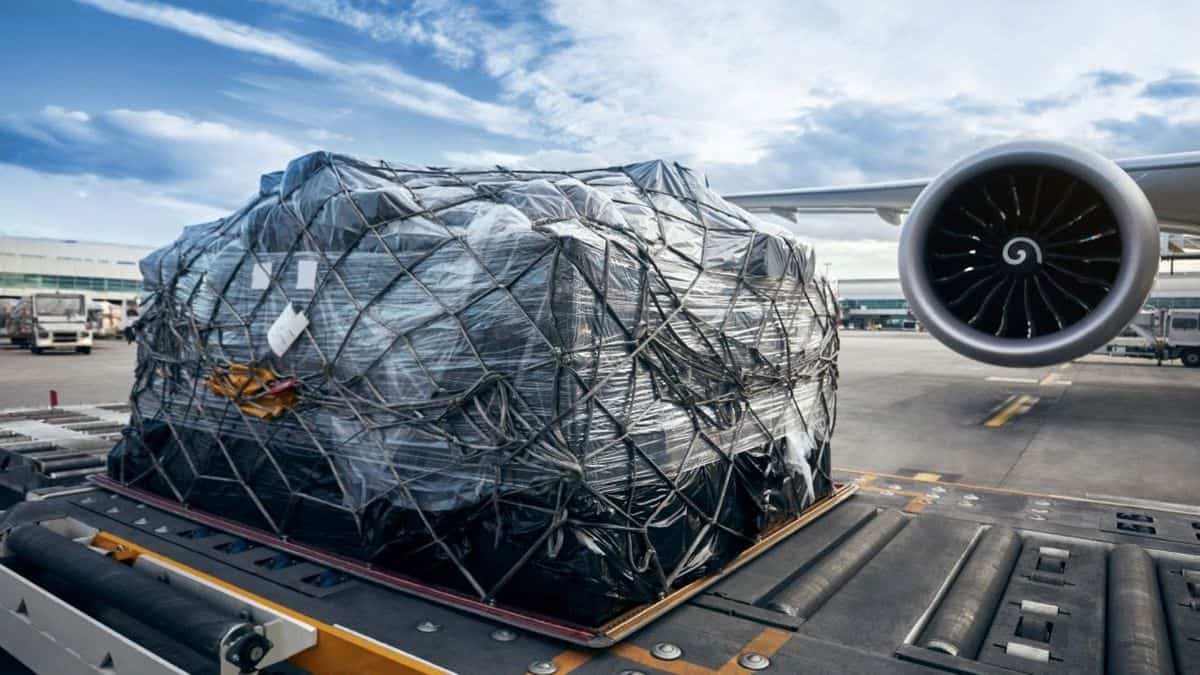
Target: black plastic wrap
x,y
564,392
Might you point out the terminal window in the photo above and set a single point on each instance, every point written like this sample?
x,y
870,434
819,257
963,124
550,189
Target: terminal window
x,y
62,282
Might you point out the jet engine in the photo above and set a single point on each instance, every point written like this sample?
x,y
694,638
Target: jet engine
x,y
1029,254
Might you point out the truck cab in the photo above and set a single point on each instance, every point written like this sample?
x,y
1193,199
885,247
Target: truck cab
x,y
1162,334
1182,335
45,321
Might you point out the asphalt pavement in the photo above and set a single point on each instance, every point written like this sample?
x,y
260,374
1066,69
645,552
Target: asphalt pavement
x,y
1099,427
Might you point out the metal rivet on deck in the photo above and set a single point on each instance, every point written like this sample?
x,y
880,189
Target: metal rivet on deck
x,y
504,635
1042,502
666,651
113,510
543,668
140,521
161,529
428,627
754,661
971,498
938,488
933,495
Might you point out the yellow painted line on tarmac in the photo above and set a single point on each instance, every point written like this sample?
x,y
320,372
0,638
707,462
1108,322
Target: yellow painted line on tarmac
x,y
1053,379
927,476
1014,405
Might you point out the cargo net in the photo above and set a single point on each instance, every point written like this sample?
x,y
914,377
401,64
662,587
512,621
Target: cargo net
x,y
564,392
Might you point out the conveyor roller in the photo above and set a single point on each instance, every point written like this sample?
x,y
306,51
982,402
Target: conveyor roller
x,y
187,619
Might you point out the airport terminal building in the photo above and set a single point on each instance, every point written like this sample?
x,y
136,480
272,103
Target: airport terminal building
x,y
880,304
109,273
106,272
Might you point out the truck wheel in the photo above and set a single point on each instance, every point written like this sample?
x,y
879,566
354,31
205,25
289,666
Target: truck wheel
x,y
1191,358
84,350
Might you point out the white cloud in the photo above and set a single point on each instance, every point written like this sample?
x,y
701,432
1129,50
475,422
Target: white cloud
x,y
33,203
857,258
381,80
214,159
62,114
54,123
768,94
553,160
175,163
429,23
731,84
326,136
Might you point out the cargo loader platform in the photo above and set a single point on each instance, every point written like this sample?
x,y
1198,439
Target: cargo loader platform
x,y
908,575
48,448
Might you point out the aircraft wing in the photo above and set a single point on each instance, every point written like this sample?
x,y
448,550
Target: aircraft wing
x,y
1171,182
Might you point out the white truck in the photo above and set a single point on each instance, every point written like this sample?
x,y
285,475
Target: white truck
x,y
44,321
1162,334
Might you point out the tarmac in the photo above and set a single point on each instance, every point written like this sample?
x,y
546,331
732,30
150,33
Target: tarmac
x,y
104,376
1099,427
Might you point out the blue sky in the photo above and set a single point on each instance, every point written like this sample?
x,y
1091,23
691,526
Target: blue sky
x,y
124,120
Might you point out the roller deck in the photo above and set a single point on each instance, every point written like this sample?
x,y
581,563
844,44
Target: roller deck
x,y
905,576
54,447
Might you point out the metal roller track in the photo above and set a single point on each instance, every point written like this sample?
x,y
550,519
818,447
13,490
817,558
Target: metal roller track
x,y
961,621
804,596
1137,631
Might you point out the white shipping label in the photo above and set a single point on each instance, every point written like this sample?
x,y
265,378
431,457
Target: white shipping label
x,y
306,275
286,329
260,278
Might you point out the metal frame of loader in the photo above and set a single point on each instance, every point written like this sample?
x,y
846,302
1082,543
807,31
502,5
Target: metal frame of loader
x,y
850,591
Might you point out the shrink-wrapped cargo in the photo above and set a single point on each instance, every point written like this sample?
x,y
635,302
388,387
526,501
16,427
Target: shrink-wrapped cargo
x,y
565,392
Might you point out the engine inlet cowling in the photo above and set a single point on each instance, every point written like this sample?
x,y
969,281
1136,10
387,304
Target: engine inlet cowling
x,y
1029,254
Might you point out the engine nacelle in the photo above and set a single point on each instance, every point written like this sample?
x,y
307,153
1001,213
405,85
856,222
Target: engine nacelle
x,y
1029,254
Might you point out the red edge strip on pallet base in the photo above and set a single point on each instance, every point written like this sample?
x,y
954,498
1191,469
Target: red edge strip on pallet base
x,y
575,634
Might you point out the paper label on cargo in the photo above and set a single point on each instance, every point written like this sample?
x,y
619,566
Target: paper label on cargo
x,y
306,275
260,278
286,329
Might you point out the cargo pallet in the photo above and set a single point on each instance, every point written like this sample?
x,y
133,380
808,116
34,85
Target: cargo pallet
x,y
908,575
